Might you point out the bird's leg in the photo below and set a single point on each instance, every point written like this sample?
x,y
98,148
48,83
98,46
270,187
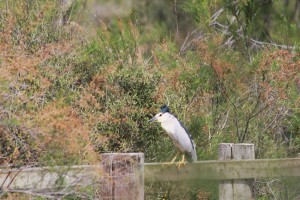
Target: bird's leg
x,y
182,162
172,161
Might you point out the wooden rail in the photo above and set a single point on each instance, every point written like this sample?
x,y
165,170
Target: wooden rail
x,y
222,170
46,177
41,178
122,175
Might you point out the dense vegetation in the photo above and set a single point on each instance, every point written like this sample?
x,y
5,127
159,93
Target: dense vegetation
x,y
71,88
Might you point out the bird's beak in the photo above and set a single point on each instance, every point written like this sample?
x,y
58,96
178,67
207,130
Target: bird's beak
x,y
153,119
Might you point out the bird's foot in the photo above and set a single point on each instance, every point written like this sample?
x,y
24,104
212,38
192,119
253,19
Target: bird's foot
x,y
180,163
170,163
173,160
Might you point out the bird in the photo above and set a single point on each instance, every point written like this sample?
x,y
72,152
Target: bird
x,y
178,134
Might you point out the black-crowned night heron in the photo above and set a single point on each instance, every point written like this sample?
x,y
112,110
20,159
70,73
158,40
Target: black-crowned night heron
x,y
178,134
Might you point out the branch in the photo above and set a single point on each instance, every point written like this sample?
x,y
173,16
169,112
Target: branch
x,y
252,115
272,44
215,16
189,39
225,30
32,193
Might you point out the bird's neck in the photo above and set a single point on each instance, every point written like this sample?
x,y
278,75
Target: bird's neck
x,y
167,126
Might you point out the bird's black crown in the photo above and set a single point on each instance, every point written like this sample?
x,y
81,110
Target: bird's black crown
x,y
164,109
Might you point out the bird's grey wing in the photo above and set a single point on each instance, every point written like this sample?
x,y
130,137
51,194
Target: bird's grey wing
x,y
193,153
188,133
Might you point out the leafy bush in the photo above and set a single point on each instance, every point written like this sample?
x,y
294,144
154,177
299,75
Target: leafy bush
x,y
66,97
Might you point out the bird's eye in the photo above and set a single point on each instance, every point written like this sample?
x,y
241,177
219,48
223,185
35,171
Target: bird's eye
x,y
160,114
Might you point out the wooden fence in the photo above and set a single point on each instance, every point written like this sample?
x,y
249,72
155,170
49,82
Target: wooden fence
x,y
122,175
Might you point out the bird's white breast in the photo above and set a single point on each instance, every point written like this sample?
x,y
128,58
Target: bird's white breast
x,y
178,134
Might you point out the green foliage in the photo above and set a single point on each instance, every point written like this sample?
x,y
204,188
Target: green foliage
x,y
115,45
67,97
199,10
242,21
36,22
125,96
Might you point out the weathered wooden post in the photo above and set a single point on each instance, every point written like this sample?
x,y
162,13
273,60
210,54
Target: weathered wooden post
x,y
123,176
237,189
225,187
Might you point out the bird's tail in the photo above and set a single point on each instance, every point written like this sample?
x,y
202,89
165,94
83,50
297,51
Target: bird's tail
x,y
192,156
194,153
